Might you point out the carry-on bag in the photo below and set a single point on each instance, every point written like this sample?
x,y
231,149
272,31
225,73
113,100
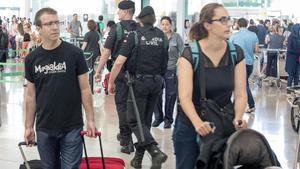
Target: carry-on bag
x,y
31,164
99,162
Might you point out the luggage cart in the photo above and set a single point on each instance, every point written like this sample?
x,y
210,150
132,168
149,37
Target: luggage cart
x,y
273,80
294,100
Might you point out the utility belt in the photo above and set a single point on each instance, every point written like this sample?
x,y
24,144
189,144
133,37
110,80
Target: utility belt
x,y
147,76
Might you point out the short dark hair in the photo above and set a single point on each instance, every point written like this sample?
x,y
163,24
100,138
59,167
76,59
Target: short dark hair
x,y
148,19
185,23
92,25
100,17
75,14
110,23
37,18
242,22
166,18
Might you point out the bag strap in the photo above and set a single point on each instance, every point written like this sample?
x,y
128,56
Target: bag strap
x,y
195,53
202,78
233,53
120,31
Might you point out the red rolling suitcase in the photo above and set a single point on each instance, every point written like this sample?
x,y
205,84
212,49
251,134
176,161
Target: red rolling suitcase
x,y
99,162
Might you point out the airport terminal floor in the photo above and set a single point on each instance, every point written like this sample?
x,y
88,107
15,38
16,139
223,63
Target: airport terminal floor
x,y
272,118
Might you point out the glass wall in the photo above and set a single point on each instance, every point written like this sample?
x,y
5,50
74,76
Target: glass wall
x,y
8,8
91,8
165,8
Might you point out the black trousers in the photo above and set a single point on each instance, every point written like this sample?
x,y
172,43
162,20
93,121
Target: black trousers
x,y
170,98
121,105
3,58
271,69
146,91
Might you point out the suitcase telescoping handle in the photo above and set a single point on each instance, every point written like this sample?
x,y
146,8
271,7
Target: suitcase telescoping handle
x,y
23,154
98,134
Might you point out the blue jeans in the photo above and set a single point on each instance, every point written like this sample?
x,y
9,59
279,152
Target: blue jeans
x,y
293,78
60,150
185,143
251,104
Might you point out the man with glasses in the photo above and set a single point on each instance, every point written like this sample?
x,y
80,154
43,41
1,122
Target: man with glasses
x,y
57,87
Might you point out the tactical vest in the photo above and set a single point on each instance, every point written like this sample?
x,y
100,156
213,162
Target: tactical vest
x,y
148,55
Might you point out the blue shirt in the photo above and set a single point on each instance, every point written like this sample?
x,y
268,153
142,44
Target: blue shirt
x,y
247,40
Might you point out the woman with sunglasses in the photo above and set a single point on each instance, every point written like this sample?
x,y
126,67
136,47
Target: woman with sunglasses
x,y
223,78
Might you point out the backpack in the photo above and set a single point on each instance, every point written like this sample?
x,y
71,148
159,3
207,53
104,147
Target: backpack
x,y
195,53
120,35
131,63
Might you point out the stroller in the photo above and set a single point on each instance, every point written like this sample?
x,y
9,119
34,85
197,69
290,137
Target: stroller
x,y
238,152
250,153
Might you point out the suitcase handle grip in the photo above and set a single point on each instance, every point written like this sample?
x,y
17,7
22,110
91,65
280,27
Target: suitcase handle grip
x,y
24,143
97,133
83,133
23,154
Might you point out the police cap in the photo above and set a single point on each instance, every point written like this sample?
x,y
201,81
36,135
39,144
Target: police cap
x,y
126,5
148,10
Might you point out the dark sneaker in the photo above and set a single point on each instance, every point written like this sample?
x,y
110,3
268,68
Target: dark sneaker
x,y
168,124
158,157
127,149
157,122
137,160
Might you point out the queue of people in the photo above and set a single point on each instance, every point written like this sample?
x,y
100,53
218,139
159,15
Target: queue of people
x,y
143,60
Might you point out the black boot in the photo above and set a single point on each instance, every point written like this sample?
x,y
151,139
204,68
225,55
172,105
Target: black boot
x,y
137,160
125,143
127,149
157,122
158,157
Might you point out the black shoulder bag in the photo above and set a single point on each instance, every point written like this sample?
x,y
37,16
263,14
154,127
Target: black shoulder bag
x,y
210,111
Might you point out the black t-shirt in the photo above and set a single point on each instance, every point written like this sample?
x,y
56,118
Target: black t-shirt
x,y
55,76
26,37
92,38
127,25
219,86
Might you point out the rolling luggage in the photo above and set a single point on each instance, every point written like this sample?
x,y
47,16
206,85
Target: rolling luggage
x,y
99,162
31,164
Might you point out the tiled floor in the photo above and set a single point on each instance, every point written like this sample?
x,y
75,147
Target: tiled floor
x,y
272,118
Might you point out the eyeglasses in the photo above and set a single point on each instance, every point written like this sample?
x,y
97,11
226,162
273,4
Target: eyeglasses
x,y
49,24
224,20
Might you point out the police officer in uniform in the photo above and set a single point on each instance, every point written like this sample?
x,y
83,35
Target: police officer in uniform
x,y
145,55
111,48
